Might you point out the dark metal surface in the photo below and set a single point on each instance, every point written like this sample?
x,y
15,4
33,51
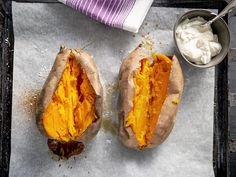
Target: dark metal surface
x,y
208,4
225,76
220,158
232,98
6,68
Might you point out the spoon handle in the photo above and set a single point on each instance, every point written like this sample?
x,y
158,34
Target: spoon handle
x,y
230,6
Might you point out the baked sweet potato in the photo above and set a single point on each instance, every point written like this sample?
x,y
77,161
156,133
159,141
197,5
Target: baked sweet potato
x,y
69,111
151,86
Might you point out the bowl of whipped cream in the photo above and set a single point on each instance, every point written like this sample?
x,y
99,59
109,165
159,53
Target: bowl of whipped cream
x,y
201,45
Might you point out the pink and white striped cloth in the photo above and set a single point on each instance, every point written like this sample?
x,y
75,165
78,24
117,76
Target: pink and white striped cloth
x,y
124,14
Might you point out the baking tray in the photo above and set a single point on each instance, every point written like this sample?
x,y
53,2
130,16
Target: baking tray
x,y
224,153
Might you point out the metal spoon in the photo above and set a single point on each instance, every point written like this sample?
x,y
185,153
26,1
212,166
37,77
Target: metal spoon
x,y
229,7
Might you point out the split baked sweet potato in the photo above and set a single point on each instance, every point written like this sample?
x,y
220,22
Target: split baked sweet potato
x,y
150,90
69,111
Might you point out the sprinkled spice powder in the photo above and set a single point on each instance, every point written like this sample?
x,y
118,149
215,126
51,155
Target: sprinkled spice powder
x,y
29,100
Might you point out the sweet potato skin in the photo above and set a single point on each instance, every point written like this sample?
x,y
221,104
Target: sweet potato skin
x,y
167,116
50,86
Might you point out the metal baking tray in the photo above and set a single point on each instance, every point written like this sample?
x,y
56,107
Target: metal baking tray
x,y
224,153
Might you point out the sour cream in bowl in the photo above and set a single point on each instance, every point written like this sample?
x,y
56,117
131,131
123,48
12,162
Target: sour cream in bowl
x,y
201,46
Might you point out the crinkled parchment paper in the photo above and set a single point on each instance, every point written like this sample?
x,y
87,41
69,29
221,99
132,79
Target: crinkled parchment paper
x,y
39,30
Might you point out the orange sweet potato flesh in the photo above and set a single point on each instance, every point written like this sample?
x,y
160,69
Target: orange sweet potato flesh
x,y
150,91
71,109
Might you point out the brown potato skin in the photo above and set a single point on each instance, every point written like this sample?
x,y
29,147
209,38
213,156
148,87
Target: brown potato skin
x,y
167,116
53,79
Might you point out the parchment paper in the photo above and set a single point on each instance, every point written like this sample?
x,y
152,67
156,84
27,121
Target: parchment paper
x,y
39,31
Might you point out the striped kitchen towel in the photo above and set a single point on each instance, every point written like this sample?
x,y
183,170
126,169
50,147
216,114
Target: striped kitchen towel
x,y
124,14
